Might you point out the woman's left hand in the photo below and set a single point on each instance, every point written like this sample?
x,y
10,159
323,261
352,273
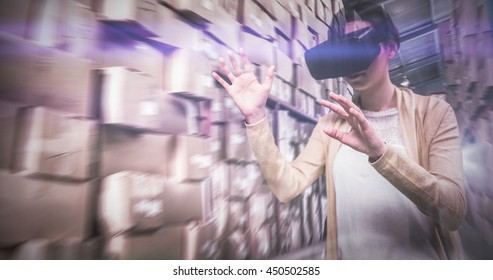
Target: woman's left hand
x,y
362,136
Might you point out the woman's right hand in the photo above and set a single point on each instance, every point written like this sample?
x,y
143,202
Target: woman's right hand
x,y
246,91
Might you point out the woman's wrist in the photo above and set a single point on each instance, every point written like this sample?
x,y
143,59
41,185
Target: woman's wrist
x,y
255,117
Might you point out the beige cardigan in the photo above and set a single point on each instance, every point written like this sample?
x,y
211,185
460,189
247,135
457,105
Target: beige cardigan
x,y
431,177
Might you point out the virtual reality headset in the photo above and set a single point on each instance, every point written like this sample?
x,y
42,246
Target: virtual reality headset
x,y
344,56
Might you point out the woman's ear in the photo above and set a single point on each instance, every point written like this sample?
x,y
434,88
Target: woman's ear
x,y
391,48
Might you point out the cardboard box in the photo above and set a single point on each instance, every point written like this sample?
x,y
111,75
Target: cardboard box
x,y
253,17
225,28
260,209
284,19
302,34
239,184
231,6
81,36
298,52
292,6
65,249
258,50
191,158
131,201
200,242
51,74
284,66
129,97
189,72
33,209
139,17
54,144
217,142
171,28
237,246
137,202
123,149
8,126
201,12
117,48
260,243
163,244
14,16
238,215
237,146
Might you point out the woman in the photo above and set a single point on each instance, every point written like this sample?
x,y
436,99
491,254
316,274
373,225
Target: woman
x,y
392,158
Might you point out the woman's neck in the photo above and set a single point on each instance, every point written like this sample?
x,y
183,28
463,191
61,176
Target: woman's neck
x,y
380,98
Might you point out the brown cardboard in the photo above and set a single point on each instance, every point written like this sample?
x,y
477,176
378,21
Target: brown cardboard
x,y
237,246
51,74
129,97
225,28
131,201
198,11
191,158
298,52
238,215
284,66
80,35
292,6
260,242
231,6
283,19
32,208
140,16
14,16
171,28
54,144
301,33
258,50
239,185
260,209
200,242
255,19
8,124
237,147
118,48
197,195
188,71
123,149
163,244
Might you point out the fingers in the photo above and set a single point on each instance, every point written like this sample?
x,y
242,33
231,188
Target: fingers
x,y
225,70
246,63
335,108
362,121
221,81
336,134
269,78
344,102
234,64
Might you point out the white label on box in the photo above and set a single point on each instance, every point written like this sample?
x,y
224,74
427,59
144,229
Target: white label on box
x,y
206,81
238,139
150,208
202,161
149,108
216,106
215,146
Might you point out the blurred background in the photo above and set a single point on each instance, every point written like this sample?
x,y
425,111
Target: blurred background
x,y
117,143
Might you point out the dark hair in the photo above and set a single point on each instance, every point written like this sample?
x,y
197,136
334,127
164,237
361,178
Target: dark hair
x,y
377,16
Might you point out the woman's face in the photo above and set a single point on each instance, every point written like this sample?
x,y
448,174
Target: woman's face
x,y
377,72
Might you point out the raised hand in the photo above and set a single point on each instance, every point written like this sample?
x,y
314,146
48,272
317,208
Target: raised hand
x,y
362,136
246,91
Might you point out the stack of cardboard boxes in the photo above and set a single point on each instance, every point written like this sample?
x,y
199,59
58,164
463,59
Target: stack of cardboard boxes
x,y
116,142
467,44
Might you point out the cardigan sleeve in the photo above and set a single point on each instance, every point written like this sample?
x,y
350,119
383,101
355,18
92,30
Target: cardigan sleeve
x,y
287,179
437,191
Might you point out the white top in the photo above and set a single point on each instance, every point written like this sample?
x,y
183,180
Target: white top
x,y
374,219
